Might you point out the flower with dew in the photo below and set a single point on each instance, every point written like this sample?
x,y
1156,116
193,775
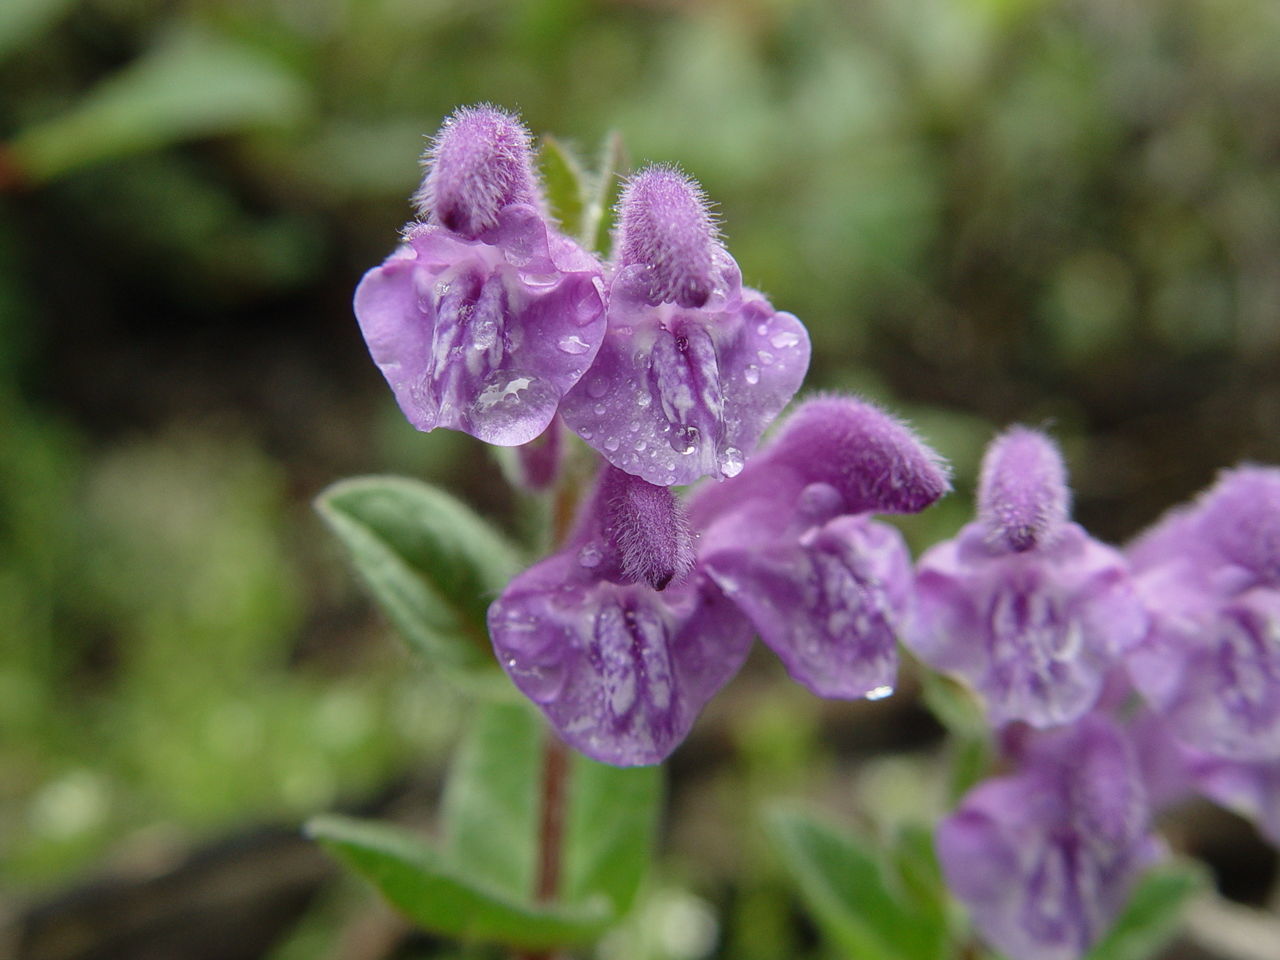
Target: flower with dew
x,y
485,315
1210,574
1044,858
694,365
623,635
1023,604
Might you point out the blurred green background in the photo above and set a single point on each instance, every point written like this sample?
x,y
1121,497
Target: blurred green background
x,y
1061,212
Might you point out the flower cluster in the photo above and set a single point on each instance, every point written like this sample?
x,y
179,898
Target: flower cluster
x,y
487,319
1117,684
1114,682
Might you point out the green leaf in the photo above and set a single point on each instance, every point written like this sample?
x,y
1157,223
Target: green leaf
x,y
432,892
192,84
852,896
23,20
490,805
1153,914
565,182
924,892
597,217
492,813
611,824
429,561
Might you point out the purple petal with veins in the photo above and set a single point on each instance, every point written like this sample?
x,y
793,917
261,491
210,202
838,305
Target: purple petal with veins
x,y
1034,632
827,602
483,335
621,671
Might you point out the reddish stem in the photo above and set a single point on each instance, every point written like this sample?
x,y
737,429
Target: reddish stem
x,y
555,772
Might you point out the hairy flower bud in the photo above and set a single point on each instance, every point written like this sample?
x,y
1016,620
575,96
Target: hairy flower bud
x,y
645,526
665,225
479,162
1023,497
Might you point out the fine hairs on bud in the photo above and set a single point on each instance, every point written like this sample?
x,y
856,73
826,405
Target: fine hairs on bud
x,y
1241,517
646,526
875,460
480,161
665,223
1022,495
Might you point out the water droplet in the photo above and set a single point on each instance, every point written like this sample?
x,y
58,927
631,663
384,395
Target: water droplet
x,y
762,329
731,461
483,335
597,386
585,433
442,287
643,400
682,344
590,556
879,693
640,446
611,444
599,409
669,479
752,374
765,357
685,440
784,339
573,344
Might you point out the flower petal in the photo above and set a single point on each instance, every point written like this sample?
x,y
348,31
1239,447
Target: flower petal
x,y
480,337
621,671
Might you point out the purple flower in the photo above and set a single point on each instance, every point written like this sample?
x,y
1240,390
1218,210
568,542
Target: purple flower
x,y
1210,574
1023,604
485,315
619,657
791,542
1044,858
694,365
621,638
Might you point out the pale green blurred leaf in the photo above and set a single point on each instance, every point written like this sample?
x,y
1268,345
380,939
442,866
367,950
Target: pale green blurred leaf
x,y
24,20
852,897
597,217
565,183
1153,914
428,559
492,814
191,84
433,892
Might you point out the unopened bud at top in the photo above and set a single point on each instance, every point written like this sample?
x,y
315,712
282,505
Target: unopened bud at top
x,y
664,223
1022,495
480,161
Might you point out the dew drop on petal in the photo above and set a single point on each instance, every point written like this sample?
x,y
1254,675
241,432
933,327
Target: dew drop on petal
x,y
611,444
752,374
765,357
731,461
572,344
590,556
597,386
784,339
879,693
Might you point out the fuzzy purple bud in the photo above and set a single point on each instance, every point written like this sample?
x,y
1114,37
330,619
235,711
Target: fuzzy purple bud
x,y
646,528
666,226
479,162
1022,496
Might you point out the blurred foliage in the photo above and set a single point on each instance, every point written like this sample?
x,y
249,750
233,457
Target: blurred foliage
x,y
1054,211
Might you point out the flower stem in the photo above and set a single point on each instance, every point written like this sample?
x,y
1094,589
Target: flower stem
x,y
555,776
